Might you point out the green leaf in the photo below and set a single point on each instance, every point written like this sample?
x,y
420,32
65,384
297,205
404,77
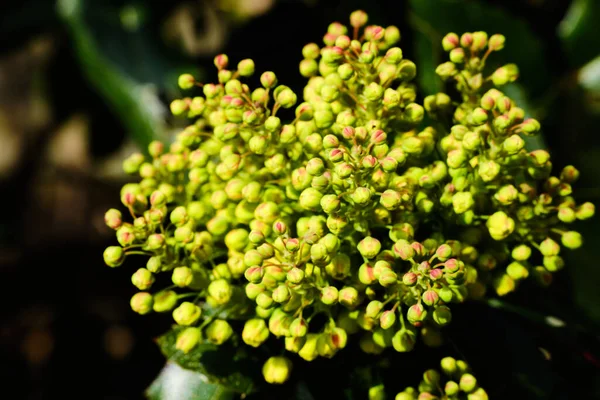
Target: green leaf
x,y
229,365
123,61
431,20
177,383
579,31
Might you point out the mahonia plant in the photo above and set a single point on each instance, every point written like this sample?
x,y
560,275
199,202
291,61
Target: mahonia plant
x,y
350,209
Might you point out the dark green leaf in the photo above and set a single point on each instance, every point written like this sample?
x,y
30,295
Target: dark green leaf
x,y
229,365
431,20
177,383
579,32
123,62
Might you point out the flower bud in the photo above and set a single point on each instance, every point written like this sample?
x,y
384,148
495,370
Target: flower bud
x,y
572,240
255,332
496,42
349,297
142,279
467,383
403,250
404,340
585,211
361,196
369,247
462,202
457,55
114,256
178,107
446,70
220,290
113,218
410,279
530,127
442,315
506,195
488,170
358,19
218,331
287,98
298,328
281,294
264,300
268,80
310,199
521,252
276,370
141,303
569,174
187,313
549,247
311,51
500,225
517,271
329,295
182,276
430,297
506,74
450,41
504,284
416,314
164,301
387,319
188,339
443,252
246,67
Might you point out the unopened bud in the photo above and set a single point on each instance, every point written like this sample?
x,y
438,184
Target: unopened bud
x,y
218,332
188,339
276,370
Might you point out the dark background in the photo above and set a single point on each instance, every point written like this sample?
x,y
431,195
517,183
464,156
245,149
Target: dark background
x,y
83,83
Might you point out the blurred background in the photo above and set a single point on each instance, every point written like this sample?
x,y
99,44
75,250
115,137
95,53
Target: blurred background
x,y
84,83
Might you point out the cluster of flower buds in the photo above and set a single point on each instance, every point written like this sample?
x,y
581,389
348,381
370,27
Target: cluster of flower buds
x,y
495,180
350,220
454,382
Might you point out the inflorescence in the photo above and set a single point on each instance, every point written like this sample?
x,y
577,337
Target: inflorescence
x,y
351,209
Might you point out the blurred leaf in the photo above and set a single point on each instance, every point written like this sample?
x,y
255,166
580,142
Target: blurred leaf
x,y
228,365
176,383
123,62
589,80
579,31
433,19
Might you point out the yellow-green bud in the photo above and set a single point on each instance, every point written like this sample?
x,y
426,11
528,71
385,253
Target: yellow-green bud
x,y
164,301
186,81
114,256
255,332
404,340
187,313
467,383
349,297
141,303
188,339
500,225
218,332
142,279
369,247
276,370
220,290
